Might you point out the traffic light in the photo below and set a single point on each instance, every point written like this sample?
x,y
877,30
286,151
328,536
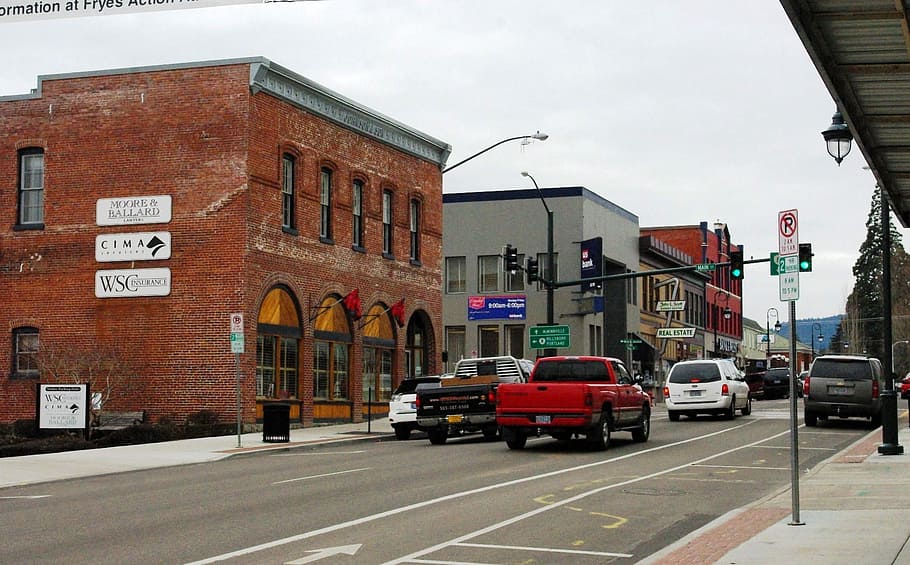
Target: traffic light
x,y
736,265
533,270
511,255
805,257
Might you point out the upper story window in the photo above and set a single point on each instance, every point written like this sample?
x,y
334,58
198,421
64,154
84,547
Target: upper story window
x,y
325,203
31,187
488,268
456,278
288,172
546,272
387,222
515,282
415,230
25,353
357,213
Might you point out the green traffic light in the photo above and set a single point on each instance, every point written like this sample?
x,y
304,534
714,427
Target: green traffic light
x,y
803,265
736,273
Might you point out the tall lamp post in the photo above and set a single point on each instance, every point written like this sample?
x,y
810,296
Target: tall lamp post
x,y
727,315
550,279
820,338
768,333
525,138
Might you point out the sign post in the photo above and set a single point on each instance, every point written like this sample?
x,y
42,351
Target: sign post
x,y
237,348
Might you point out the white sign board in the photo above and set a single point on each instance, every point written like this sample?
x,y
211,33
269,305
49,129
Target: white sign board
x,y
788,232
118,283
237,322
62,406
675,332
133,210
138,246
671,305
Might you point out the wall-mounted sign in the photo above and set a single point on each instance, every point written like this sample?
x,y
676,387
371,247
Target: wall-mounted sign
x,y
496,307
671,305
118,283
133,210
675,332
592,264
62,406
138,246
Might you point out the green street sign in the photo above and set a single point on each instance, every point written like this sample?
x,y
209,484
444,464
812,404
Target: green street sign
x,y
548,337
705,267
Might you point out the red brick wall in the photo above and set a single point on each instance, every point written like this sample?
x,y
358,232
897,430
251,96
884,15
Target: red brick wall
x,y
200,136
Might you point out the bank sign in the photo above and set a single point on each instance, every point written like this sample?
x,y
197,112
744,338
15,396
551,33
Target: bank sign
x,y
119,283
497,307
592,263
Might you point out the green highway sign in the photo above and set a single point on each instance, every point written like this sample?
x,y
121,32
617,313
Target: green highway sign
x,y
703,267
775,266
548,337
631,341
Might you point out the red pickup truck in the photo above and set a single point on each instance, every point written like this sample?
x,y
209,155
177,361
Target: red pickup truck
x,y
590,396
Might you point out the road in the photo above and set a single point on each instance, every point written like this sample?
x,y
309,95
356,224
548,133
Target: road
x,y
392,502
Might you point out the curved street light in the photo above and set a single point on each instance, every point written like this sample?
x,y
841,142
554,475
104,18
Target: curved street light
x,y
538,136
550,278
838,138
821,338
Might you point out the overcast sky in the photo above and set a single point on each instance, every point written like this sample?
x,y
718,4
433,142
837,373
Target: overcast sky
x,y
679,112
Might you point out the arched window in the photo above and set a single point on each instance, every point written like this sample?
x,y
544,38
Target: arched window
x,y
331,351
378,350
277,346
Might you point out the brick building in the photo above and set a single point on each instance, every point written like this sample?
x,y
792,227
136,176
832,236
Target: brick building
x,y
142,207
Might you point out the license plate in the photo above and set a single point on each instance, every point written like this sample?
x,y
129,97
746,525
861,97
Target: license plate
x,y
777,381
694,392
542,419
838,390
454,418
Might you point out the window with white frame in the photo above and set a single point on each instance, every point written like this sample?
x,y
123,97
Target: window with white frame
x,y
515,282
25,353
415,230
31,187
488,268
515,341
456,278
387,222
325,203
357,213
488,341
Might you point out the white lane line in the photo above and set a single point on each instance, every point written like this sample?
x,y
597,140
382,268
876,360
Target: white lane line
x,y
454,496
26,497
318,453
320,476
545,549
576,498
801,448
744,467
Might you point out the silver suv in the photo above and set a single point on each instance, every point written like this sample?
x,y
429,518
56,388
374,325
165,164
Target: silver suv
x,y
844,386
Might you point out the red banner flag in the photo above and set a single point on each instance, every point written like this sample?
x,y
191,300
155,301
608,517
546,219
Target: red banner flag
x,y
397,310
352,303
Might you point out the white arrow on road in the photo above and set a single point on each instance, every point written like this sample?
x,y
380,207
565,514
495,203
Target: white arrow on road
x,y
326,552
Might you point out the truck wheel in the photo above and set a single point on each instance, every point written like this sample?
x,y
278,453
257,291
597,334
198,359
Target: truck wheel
x,y
515,438
811,419
402,432
491,433
438,435
641,433
599,436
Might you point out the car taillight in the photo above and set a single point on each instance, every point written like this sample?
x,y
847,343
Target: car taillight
x,y
666,392
874,388
417,402
806,386
491,396
589,399
725,390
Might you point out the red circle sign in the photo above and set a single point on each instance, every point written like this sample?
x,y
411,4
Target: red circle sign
x,y
787,225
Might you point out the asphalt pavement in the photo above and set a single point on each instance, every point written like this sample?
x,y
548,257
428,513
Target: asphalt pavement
x,y
853,508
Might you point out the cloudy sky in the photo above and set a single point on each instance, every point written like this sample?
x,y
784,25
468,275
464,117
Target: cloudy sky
x,y
680,112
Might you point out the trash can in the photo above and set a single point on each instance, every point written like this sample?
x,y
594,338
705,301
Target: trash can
x,y
276,422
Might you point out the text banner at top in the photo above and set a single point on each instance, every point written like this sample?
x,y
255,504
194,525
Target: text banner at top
x,y
24,10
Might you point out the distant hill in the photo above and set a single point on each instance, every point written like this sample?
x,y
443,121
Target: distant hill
x,y
804,330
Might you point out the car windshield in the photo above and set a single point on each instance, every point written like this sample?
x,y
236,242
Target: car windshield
x,y
410,385
571,371
836,369
695,373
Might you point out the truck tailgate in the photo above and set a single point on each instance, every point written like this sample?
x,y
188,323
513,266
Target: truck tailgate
x,y
533,398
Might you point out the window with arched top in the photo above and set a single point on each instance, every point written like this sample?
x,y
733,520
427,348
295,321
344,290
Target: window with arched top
x,y
378,353
331,351
278,346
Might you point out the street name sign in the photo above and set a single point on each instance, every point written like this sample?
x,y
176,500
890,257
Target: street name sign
x,y
548,337
671,305
675,332
703,267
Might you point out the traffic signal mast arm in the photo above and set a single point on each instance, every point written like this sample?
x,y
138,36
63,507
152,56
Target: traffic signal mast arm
x,y
623,276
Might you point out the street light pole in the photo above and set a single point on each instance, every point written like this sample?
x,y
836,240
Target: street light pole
x,y
768,334
890,443
538,136
727,315
812,339
550,278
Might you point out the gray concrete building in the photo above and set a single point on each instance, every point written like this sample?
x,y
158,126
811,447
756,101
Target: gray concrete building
x,y
487,311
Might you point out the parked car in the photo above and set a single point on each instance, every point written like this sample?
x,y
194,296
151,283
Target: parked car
x,y
776,383
756,381
903,387
846,386
402,407
707,386
800,380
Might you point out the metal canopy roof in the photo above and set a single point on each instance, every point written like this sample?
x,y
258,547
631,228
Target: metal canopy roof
x,y
861,49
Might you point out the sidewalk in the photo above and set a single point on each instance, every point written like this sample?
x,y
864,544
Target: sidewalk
x,y
31,469
855,506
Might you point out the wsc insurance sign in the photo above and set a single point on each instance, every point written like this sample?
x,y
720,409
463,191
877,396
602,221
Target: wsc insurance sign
x,y
119,283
